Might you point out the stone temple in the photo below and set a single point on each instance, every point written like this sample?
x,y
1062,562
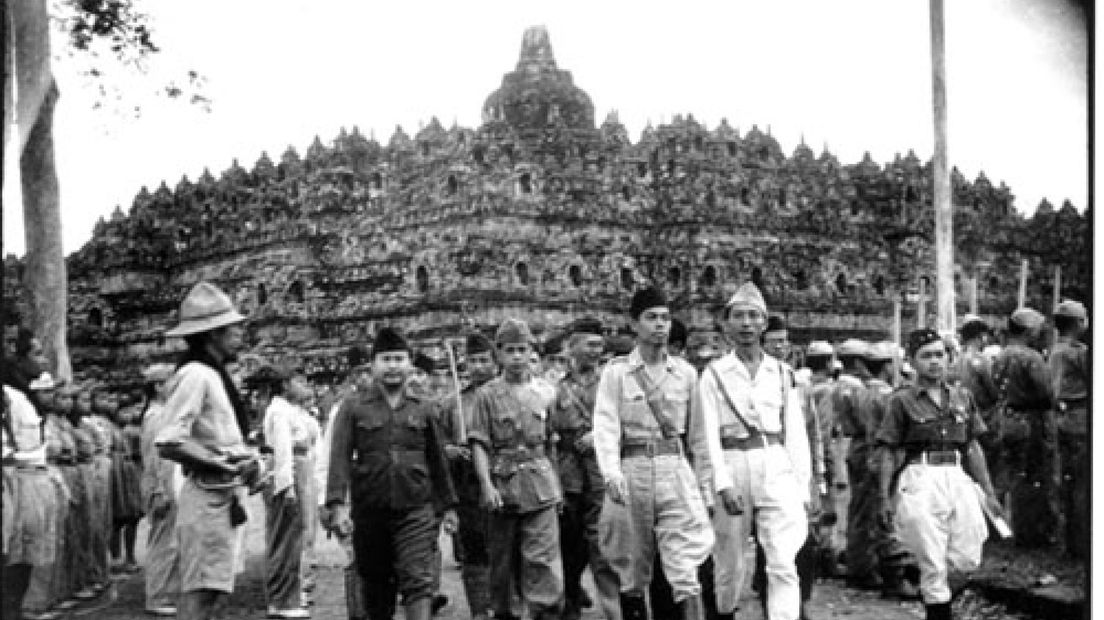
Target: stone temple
x,y
544,214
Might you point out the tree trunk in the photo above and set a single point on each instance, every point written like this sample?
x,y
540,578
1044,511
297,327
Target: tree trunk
x,y
36,94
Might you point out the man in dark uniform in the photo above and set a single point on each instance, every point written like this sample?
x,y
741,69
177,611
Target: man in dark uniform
x,y
472,535
387,451
932,467
1027,433
582,482
1069,367
974,371
511,442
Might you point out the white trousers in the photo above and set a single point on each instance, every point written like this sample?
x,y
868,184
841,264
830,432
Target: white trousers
x,y
939,519
774,502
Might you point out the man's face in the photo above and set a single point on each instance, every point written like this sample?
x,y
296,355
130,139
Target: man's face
x,y
653,326
515,357
777,343
101,403
930,361
63,403
586,350
226,341
83,403
535,365
745,325
481,366
362,377
392,368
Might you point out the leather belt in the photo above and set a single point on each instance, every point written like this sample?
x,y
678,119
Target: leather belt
x,y
297,451
751,442
651,449
936,457
213,480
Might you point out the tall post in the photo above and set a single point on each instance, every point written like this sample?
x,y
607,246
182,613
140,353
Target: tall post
x,y
1057,286
922,305
944,216
1021,299
972,283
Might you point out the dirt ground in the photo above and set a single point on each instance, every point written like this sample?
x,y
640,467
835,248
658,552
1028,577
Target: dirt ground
x,y
831,599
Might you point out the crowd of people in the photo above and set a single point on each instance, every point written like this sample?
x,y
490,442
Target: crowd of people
x,y
655,462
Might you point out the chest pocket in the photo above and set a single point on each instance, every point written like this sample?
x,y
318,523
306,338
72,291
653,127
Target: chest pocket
x,y
634,409
533,427
412,431
371,435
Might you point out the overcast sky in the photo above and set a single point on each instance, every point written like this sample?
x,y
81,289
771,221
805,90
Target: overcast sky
x,y
852,74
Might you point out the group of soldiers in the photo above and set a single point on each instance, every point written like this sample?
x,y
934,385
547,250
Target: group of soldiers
x,y
656,467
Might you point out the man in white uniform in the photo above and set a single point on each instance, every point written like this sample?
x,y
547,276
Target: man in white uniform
x,y
753,430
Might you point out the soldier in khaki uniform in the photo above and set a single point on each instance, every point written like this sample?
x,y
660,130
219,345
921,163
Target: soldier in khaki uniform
x,y
584,490
1069,368
511,442
652,500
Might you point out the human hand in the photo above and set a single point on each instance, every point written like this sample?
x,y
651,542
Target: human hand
x,y
450,522
732,502
618,490
341,521
491,498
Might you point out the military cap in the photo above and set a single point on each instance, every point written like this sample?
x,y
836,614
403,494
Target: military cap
x,y
267,375
388,339
881,351
423,362
748,295
644,299
852,347
1027,318
476,342
920,338
1072,309
587,325
972,327
818,347
553,346
775,323
513,331
357,356
619,344
42,382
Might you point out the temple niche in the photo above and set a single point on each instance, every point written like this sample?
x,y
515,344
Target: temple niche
x,y
542,214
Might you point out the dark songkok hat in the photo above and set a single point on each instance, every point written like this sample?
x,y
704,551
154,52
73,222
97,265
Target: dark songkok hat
x,y
775,323
587,325
477,342
921,337
423,362
643,299
266,375
388,339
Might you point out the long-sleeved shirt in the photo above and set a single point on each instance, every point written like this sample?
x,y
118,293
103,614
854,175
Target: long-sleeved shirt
x,y
572,414
285,428
159,476
385,457
622,413
1069,369
1023,378
768,401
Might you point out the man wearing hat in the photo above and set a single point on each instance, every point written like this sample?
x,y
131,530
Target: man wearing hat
x,y
1069,367
204,431
511,441
160,481
1026,429
641,412
287,434
933,469
387,454
974,371
471,536
758,459
583,488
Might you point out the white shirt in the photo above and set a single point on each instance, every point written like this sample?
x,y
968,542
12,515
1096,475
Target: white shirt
x,y
759,401
284,427
27,427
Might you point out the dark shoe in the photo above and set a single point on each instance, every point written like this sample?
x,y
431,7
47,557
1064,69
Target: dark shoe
x,y
440,601
692,608
938,611
633,608
584,600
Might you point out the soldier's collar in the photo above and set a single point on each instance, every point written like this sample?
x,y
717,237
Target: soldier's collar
x,y
636,360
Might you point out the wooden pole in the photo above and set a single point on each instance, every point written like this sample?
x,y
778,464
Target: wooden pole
x,y
1021,300
944,216
922,305
461,430
1057,286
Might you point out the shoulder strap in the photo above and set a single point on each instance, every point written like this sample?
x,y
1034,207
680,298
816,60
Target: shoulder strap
x,y
650,391
785,377
731,403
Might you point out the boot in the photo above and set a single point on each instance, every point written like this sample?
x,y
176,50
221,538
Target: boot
x,y
476,588
938,611
419,609
692,608
895,585
633,607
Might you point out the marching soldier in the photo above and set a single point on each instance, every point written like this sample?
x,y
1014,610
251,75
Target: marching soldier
x,y
975,372
1027,433
652,498
930,464
472,535
1069,367
753,427
386,452
579,474
511,442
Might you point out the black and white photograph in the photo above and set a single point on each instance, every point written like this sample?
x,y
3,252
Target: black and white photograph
x,y
608,310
